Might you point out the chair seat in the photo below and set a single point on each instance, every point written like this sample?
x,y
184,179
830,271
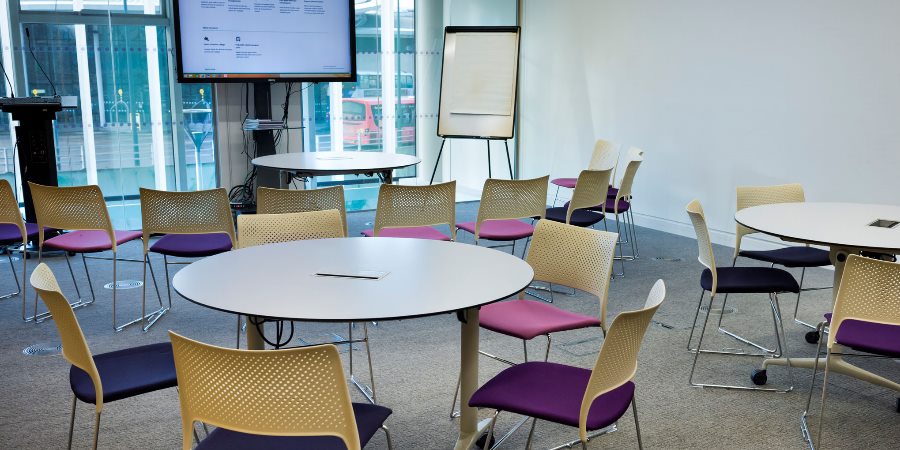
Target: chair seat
x,y
500,230
580,217
410,232
565,182
526,319
127,373
89,241
369,418
870,337
610,205
791,256
10,234
553,392
750,280
192,245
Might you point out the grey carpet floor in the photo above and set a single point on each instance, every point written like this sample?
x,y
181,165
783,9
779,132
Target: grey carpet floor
x,y
416,364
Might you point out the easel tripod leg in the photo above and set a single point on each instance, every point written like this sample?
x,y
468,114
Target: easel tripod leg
x,y
489,158
437,161
509,161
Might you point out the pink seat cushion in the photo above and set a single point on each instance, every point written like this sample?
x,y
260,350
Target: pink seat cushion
x,y
410,232
565,182
526,319
89,241
500,230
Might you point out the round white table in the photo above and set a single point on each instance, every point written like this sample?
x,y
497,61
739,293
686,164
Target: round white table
x,y
845,228
423,277
313,164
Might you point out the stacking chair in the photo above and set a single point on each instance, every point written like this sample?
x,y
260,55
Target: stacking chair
x,y
587,399
260,229
590,191
273,399
14,232
735,280
866,318
107,377
802,256
282,201
577,257
194,224
604,157
413,211
503,204
82,211
632,154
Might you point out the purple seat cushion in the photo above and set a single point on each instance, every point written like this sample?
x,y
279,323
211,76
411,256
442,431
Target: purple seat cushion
x,y
580,217
369,418
791,256
612,192
410,232
500,230
760,280
869,337
10,234
526,319
127,373
553,392
565,182
88,241
192,245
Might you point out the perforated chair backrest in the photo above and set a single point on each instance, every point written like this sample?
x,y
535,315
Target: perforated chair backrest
x,y
869,291
590,190
604,156
71,208
74,346
259,229
9,208
577,257
294,392
512,199
617,362
416,206
627,182
189,212
704,244
748,196
283,201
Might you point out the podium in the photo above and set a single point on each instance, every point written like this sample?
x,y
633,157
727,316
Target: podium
x,y
36,147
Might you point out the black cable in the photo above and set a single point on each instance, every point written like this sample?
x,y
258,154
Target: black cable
x,y
31,49
12,92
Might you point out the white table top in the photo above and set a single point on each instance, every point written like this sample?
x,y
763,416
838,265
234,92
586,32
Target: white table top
x,y
425,277
829,224
336,163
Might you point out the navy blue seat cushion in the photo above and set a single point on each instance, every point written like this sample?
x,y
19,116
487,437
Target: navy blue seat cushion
x,y
580,217
127,373
10,234
737,280
192,245
369,418
553,392
791,256
870,337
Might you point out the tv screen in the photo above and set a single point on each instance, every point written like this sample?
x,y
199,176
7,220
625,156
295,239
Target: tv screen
x,y
256,40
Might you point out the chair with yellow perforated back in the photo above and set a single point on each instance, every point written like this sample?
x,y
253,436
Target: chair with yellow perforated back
x,y
293,398
193,224
414,211
14,232
107,377
504,203
281,201
81,211
589,192
799,256
603,157
585,399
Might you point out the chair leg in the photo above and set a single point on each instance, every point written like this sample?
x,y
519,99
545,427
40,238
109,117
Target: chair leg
x,y
556,197
700,343
387,436
115,288
15,275
637,251
490,433
694,326
96,428
547,352
369,357
453,412
72,420
168,283
531,434
621,257
782,339
824,393
87,274
804,422
637,424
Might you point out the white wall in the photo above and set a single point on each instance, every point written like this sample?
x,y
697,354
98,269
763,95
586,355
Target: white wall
x,y
719,94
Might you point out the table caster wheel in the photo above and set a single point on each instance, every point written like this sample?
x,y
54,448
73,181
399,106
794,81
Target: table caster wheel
x,y
812,337
480,443
759,377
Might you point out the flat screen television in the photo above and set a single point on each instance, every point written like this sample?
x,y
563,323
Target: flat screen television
x,y
258,40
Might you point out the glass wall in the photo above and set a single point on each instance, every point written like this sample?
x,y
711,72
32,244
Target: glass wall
x,y
377,113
